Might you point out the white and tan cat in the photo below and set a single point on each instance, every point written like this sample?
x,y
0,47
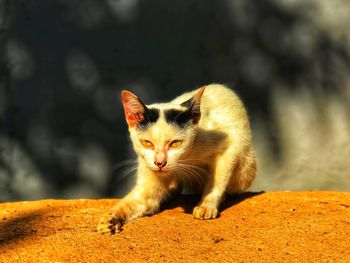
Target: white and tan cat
x,y
200,140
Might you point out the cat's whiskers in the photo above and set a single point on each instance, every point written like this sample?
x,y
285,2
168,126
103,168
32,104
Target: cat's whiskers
x,y
185,161
191,172
199,174
193,166
126,168
124,163
182,176
188,176
126,173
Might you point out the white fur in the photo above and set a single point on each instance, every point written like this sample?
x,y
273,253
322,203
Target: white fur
x,y
216,155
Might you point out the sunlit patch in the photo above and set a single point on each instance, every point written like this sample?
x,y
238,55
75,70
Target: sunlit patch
x,y
124,10
82,72
20,60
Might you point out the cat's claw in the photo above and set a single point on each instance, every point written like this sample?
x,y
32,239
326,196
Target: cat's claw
x,y
205,212
110,225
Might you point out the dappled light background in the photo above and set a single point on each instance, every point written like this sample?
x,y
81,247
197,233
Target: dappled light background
x,y
63,64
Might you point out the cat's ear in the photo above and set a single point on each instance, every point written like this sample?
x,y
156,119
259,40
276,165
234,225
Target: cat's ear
x,y
134,108
194,105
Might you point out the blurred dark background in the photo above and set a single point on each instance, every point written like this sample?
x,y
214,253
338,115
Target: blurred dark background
x,y
63,64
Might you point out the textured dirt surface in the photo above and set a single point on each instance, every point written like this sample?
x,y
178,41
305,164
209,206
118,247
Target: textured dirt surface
x,y
254,227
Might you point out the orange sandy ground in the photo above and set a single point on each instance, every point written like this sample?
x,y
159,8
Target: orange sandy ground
x,y
266,227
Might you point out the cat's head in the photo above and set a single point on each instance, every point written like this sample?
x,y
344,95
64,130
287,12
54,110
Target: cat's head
x,y
162,133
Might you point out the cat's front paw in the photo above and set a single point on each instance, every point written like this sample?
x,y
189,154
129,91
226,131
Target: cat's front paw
x,y
205,212
110,224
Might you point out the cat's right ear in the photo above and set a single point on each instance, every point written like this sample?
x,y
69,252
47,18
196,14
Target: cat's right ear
x,y
194,105
134,108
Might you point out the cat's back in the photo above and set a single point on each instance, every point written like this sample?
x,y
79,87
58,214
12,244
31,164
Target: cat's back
x,y
220,107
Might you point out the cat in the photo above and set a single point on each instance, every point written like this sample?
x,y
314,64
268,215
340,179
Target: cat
x,y
201,140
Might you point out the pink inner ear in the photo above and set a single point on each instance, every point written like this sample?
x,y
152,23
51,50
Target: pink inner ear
x,y
198,96
133,108
134,119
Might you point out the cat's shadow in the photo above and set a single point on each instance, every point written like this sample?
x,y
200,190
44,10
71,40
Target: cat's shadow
x,y
188,202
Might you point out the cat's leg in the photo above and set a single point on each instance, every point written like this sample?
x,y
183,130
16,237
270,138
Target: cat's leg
x,y
244,173
213,194
144,199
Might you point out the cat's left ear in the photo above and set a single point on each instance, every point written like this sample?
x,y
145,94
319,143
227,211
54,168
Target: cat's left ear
x,y
194,105
134,108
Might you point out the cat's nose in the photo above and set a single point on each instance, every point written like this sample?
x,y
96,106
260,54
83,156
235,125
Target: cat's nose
x,y
160,164
160,159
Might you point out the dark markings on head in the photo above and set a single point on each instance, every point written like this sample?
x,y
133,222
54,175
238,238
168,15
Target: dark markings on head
x,y
187,103
193,109
150,116
178,117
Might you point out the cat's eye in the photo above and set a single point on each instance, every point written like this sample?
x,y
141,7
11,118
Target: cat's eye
x,y
146,144
175,144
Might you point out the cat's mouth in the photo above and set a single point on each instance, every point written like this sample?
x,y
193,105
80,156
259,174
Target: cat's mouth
x,y
161,170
